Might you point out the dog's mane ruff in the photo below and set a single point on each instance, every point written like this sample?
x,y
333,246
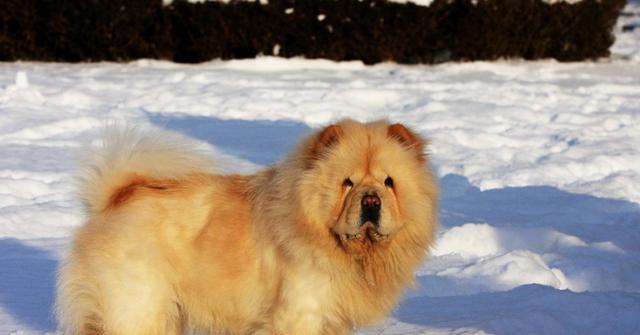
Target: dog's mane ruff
x,y
129,152
377,280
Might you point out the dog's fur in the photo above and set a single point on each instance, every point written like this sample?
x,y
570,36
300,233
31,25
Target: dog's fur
x,y
170,246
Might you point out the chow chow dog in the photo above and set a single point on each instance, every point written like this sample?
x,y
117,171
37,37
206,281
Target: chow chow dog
x,y
321,243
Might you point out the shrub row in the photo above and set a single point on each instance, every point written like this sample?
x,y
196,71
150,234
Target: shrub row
x,y
368,30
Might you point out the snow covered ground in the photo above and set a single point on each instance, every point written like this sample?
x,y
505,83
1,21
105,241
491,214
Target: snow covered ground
x,y
539,164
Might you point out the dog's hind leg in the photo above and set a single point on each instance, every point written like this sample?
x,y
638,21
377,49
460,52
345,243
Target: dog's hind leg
x,y
132,310
105,295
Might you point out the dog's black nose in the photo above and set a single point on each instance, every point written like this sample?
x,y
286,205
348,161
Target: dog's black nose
x,y
370,209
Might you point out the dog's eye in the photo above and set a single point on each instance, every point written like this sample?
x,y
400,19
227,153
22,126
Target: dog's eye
x,y
388,182
347,183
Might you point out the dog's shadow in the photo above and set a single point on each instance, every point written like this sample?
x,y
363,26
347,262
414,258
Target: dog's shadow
x,y
27,284
527,309
260,142
441,302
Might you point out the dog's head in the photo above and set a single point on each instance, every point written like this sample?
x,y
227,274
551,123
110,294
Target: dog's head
x,y
366,183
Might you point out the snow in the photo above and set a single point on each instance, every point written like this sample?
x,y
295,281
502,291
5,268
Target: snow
x,y
539,163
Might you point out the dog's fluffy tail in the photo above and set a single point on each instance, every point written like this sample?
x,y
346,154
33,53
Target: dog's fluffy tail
x,y
128,153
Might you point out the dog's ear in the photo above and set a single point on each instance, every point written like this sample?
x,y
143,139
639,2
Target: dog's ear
x,y
327,138
408,139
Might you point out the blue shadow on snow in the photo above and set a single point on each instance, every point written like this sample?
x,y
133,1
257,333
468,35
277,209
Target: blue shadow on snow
x,y
580,215
27,284
260,142
528,309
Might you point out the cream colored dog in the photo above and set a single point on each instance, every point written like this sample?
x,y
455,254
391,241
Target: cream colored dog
x,y
320,243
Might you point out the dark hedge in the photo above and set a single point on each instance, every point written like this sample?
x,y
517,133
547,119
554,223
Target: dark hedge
x,y
369,30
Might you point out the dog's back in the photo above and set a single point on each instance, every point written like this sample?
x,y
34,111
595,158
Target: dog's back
x,y
158,225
